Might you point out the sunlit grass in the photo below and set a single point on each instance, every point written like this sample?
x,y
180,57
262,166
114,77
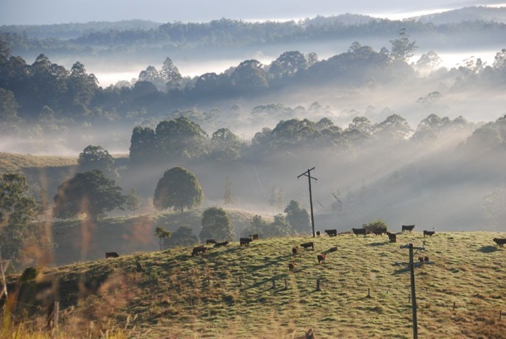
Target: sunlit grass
x,y
10,162
229,292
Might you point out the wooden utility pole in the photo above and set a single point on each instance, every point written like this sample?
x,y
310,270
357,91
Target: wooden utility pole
x,y
413,292
309,177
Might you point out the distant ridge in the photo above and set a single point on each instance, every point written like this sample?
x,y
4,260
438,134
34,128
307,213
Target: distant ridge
x,y
475,13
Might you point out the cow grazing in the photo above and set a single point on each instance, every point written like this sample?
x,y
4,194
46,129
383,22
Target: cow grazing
x,y
392,237
295,250
111,254
245,241
331,233
220,244
321,258
500,241
199,249
291,266
308,245
309,334
429,233
358,231
379,231
253,236
408,228
210,241
333,249
318,233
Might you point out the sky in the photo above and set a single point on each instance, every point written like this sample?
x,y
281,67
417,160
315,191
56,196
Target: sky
x,y
37,12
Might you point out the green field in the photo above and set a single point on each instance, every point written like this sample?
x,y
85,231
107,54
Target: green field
x,y
229,292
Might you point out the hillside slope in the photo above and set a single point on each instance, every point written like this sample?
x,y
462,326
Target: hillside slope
x,y
229,292
80,241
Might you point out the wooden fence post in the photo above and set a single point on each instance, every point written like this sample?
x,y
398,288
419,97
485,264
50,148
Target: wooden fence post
x,y
273,283
286,284
318,285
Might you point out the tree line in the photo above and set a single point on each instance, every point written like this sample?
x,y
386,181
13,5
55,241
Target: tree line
x,y
56,99
228,33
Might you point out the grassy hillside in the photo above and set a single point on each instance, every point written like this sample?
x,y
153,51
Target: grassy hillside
x,y
175,295
78,240
10,162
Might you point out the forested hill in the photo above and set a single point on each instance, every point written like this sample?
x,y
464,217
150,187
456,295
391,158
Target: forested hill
x,y
477,25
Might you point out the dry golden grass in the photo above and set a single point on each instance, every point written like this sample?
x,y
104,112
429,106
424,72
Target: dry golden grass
x,y
10,162
229,293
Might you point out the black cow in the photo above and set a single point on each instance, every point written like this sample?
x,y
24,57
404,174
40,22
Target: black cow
x,y
307,245
245,241
318,233
500,241
253,236
210,241
358,231
199,249
407,228
331,233
379,231
321,258
291,266
429,233
295,250
220,244
333,249
392,237
111,254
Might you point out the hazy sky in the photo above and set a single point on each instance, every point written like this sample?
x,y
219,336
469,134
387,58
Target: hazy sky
x,y
38,12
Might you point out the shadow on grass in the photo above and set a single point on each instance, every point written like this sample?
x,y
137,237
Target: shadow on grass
x,y
378,243
488,249
402,270
268,281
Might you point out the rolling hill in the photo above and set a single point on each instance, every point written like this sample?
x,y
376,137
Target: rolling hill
x,y
249,292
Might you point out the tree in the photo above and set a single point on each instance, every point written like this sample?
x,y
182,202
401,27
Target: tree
x,y
180,138
143,146
278,228
96,157
8,111
183,236
170,73
162,234
298,218
402,47
132,200
394,128
178,188
18,211
89,193
249,78
81,86
377,225
216,225
257,226
225,145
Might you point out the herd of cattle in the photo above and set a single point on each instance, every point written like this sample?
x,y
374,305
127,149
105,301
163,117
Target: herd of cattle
x,y
321,257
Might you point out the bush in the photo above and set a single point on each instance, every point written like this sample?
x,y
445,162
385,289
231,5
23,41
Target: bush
x,y
377,225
